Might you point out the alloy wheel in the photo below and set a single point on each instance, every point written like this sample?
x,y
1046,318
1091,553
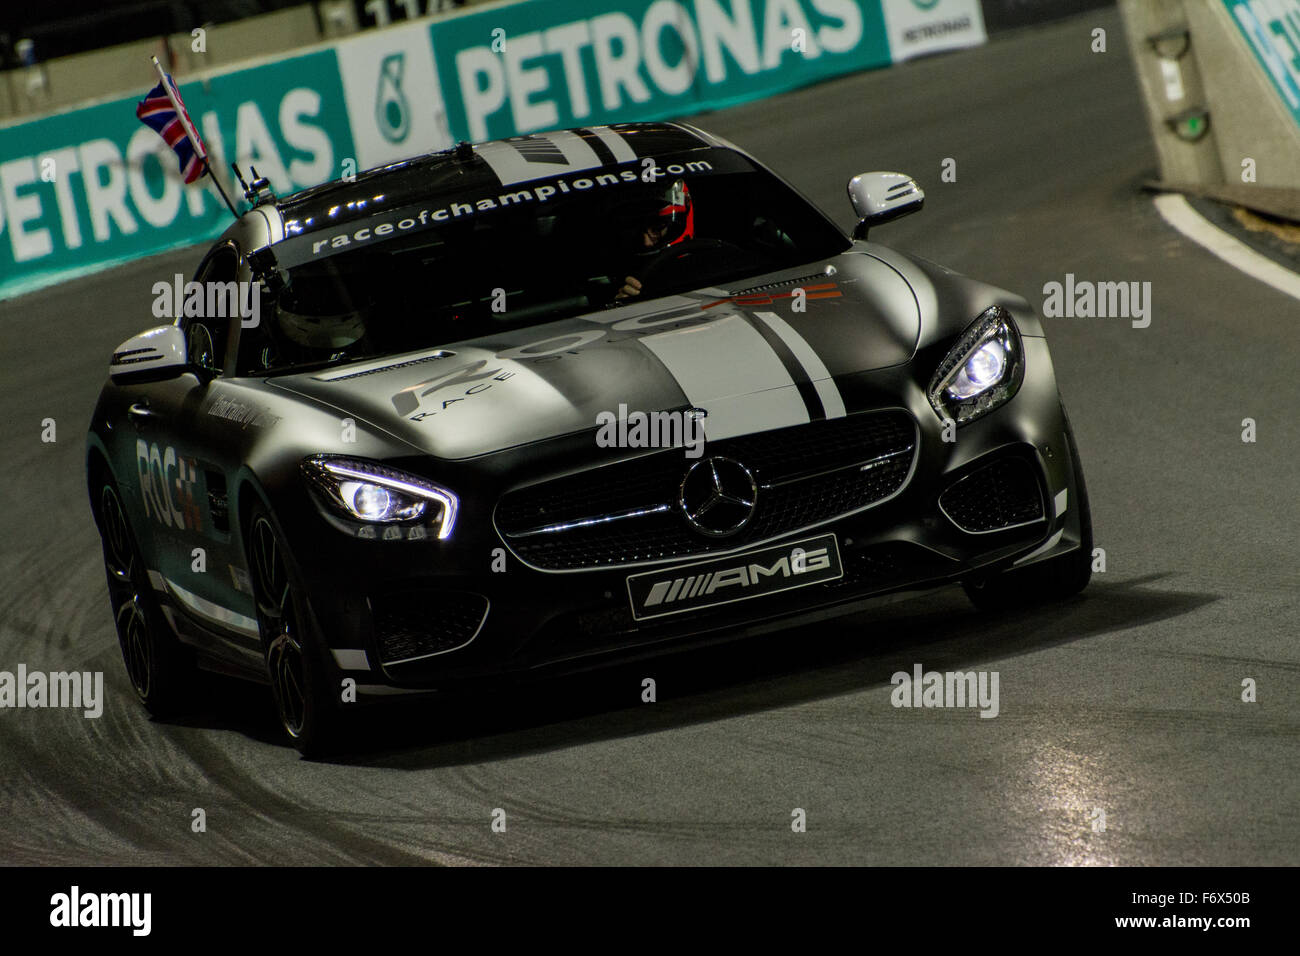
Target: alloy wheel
x,y
128,610
278,617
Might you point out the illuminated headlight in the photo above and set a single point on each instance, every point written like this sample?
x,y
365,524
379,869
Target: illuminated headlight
x,y
375,494
982,371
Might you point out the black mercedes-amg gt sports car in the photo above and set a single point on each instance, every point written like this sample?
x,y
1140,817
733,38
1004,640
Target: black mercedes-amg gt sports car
x,y
559,400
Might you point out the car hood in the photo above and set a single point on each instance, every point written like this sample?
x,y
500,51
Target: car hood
x,y
763,355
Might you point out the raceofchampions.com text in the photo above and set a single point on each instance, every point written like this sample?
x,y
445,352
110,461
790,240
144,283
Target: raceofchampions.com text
x,y
455,210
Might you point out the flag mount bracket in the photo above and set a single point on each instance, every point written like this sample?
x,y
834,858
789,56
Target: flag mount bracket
x,y
259,190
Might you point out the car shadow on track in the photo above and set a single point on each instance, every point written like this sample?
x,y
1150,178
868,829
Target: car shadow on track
x,y
753,674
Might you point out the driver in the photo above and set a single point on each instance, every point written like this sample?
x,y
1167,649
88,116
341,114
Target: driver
x,y
309,327
665,218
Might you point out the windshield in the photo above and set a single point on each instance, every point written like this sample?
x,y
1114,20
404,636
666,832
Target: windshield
x,y
527,256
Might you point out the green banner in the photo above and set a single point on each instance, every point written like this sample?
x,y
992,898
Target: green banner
x,y
509,70
94,186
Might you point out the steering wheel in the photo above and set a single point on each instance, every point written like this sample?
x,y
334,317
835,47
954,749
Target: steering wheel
x,y
658,264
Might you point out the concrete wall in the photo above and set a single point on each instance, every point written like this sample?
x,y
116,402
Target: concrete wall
x,y
1220,72
1248,118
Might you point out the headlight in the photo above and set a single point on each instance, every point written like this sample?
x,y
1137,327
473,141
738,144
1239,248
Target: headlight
x,y
374,494
982,371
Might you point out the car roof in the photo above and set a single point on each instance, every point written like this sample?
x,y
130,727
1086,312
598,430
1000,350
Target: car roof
x,y
498,164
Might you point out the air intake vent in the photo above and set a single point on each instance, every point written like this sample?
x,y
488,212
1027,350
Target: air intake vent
x,y
996,497
416,624
375,370
776,285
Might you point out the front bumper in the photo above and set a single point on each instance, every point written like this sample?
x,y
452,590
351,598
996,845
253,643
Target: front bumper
x,y
469,608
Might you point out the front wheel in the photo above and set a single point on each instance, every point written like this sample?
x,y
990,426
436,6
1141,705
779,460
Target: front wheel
x,y
1054,579
301,682
162,672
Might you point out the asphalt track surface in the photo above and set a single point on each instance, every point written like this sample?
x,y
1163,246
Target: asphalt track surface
x,y
1126,700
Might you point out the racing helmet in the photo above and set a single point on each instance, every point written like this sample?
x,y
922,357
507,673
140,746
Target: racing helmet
x,y
663,216
328,333
313,315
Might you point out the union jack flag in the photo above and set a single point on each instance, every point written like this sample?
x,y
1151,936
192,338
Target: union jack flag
x,y
164,112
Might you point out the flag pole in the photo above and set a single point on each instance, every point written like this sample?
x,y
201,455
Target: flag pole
x,y
192,135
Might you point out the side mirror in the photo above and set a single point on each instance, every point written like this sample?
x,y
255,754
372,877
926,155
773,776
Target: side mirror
x,y
881,197
156,354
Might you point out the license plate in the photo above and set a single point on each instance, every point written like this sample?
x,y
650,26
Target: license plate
x,y
739,577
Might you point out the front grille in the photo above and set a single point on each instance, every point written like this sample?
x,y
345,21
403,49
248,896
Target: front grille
x,y
1002,495
807,474
420,623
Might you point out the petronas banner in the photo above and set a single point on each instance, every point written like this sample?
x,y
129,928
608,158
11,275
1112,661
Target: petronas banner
x,y
533,66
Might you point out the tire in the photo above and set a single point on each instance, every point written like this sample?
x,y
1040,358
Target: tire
x,y
1046,581
306,694
161,671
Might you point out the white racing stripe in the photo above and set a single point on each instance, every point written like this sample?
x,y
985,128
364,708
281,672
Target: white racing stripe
x,y
620,147
212,612
827,391
538,157
1178,213
383,690
351,660
1047,545
727,368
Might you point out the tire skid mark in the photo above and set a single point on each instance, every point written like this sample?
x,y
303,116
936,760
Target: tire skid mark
x,y
284,814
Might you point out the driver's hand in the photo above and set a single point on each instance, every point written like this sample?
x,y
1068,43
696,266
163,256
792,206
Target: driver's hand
x,y
631,287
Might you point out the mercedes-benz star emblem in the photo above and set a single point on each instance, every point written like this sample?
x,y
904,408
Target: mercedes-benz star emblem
x,y
718,496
